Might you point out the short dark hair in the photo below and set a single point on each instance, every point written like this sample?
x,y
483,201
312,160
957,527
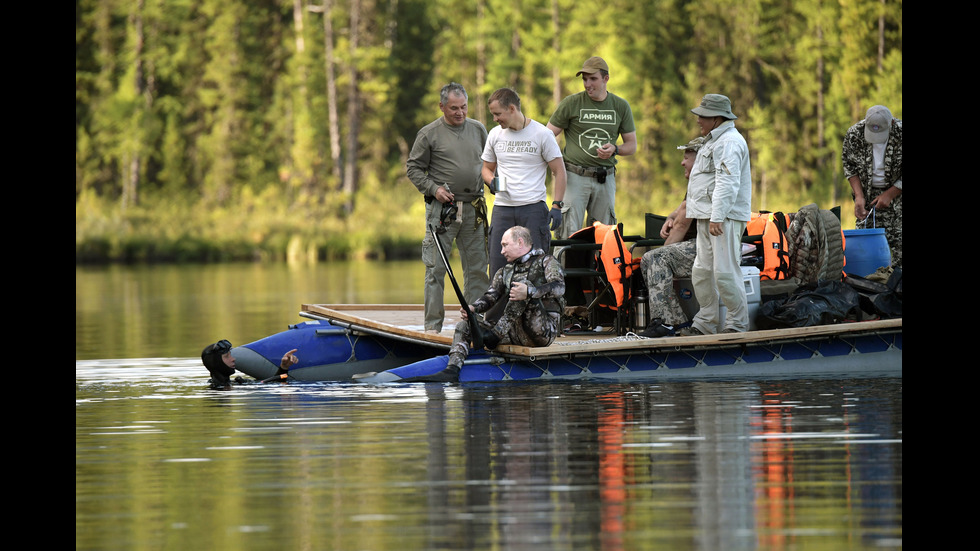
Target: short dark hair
x,y
505,97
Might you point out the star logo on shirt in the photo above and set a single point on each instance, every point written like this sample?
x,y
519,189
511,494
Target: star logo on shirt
x,y
593,139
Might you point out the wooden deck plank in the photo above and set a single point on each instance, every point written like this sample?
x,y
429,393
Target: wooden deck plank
x,y
405,320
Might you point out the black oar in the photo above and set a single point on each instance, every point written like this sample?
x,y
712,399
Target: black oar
x,y
474,326
276,377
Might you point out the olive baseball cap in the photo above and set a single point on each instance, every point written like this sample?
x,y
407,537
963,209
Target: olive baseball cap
x,y
693,145
592,65
715,105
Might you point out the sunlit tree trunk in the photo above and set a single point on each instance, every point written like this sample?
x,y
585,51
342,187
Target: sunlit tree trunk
x,y
302,148
329,68
353,109
481,64
131,172
556,96
881,36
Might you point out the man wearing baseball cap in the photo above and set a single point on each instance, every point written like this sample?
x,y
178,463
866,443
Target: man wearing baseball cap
x,y
674,260
872,158
593,120
719,197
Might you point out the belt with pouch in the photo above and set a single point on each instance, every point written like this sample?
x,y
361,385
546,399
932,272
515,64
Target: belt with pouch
x,y
598,172
429,199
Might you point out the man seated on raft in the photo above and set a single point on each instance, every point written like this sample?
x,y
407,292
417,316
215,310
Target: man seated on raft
x,y
533,284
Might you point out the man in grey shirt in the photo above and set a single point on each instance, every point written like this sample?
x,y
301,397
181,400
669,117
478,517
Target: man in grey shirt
x,y
444,166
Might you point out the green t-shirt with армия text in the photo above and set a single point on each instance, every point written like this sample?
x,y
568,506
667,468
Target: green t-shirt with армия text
x,y
588,125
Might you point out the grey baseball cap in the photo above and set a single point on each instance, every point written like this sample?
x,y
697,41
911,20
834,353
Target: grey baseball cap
x,y
877,124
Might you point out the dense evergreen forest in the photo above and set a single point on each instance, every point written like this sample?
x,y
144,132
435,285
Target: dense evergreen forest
x,y
278,129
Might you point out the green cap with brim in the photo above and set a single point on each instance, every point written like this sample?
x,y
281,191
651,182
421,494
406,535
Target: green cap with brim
x,y
715,105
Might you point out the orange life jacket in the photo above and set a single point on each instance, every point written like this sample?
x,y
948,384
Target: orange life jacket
x,y
775,248
616,259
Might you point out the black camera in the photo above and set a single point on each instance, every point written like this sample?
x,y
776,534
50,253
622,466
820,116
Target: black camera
x,y
600,174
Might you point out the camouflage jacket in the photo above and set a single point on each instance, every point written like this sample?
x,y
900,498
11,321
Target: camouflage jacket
x,y
541,272
858,157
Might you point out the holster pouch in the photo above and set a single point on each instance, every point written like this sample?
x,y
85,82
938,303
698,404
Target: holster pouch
x,y
600,174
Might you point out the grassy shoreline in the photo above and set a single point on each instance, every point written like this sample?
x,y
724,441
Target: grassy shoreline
x,y
170,232
261,229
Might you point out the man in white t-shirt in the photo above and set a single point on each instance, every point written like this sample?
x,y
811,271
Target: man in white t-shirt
x,y
516,160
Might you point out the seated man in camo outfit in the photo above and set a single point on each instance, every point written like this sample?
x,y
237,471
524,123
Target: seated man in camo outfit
x,y
533,284
661,265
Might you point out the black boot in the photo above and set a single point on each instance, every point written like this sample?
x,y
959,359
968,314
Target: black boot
x,y
490,339
656,328
448,375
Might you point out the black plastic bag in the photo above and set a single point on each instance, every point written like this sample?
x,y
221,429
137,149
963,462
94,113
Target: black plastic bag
x,y
889,303
820,303
879,300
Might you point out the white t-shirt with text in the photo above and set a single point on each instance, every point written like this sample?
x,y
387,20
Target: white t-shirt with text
x,y
522,158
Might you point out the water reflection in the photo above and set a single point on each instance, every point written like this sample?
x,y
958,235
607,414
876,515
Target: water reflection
x,y
713,465
725,486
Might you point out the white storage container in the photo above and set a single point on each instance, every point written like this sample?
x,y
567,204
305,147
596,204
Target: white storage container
x,y
753,292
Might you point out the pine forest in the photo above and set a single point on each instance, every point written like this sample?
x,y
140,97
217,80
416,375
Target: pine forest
x,y
211,130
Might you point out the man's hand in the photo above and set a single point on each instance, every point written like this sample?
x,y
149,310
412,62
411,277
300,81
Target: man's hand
x,y
443,195
289,359
716,229
884,200
860,209
555,215
518,291
606,151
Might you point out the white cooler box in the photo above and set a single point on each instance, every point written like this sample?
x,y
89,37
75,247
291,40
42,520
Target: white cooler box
x,y
689,303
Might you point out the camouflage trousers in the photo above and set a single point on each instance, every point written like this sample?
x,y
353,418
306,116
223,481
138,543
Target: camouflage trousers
x,y
523,322
660,266
888,218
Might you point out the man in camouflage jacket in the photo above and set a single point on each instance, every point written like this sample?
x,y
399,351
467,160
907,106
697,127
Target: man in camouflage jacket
x,y
872,158
533,284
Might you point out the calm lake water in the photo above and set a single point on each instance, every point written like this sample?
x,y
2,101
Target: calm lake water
x,y
163,462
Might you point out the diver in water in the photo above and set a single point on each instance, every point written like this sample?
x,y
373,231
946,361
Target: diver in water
x,y
221,364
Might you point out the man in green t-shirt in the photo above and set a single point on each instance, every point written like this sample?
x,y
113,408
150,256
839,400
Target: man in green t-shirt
x,y
592,120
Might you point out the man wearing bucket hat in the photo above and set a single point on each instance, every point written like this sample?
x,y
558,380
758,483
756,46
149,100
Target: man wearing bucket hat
x,y
872,159
592,120
719,197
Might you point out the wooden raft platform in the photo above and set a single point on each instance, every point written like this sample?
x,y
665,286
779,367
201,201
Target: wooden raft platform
x,y
405,321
